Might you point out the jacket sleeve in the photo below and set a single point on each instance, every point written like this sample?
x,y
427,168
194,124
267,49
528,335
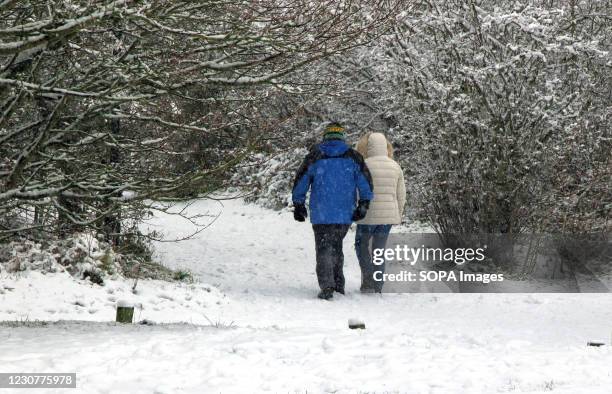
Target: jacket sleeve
x,y
401,192
303,179
365,186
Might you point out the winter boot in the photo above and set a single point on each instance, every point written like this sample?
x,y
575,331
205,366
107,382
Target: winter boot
x,y
339,290
326,294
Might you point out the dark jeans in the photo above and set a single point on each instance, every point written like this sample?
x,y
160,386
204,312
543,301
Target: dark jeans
x,y
330,259
367,238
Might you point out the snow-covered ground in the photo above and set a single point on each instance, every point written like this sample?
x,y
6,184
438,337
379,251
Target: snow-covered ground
x,y
254,325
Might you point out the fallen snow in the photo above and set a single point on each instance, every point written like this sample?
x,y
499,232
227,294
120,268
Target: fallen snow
x,y
33,296
254,324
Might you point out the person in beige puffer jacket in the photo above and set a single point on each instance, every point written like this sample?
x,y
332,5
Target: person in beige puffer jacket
x,y
385,210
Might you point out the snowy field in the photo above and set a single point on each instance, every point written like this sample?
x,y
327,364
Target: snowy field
x,y
252,323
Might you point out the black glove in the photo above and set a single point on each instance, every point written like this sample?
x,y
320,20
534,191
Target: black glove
x,y
299,212
361,210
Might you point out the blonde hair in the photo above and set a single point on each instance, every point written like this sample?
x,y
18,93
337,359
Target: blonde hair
x,y
362,146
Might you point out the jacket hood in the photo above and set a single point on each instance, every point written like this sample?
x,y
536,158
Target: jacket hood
x,y
333,148
377,145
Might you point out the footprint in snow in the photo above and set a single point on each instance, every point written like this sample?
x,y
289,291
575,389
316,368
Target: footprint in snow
x,y
166,296
327,345
532,300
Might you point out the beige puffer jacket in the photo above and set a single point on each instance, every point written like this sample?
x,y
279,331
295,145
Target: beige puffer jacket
x,y
388,178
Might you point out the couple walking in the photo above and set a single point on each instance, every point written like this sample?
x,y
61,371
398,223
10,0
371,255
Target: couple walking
x,y
345,188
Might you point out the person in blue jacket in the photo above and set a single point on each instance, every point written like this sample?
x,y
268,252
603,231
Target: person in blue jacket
x,y
340,192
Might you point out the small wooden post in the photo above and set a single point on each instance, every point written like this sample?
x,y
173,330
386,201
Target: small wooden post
x,y
355,324
125,312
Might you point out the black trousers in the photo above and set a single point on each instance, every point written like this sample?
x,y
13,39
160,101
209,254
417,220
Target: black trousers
x,y
330,259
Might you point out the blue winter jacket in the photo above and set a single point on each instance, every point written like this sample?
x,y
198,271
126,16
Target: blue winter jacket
x,y
335,173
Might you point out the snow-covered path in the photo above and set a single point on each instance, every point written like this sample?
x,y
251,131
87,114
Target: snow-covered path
x,y
275,336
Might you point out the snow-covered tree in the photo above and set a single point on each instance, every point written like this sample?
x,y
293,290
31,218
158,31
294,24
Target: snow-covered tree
x,y
102,101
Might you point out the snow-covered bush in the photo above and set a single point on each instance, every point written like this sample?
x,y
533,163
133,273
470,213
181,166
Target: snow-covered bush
x,y
503,111
85,257
269,177
81,255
